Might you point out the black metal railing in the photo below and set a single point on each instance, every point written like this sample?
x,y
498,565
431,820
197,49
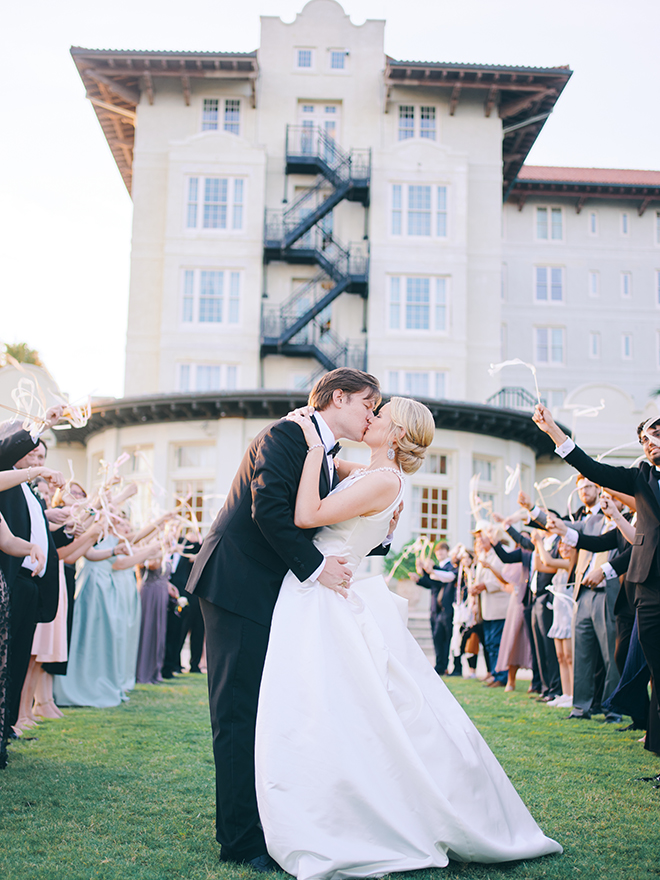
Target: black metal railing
x,y
513,398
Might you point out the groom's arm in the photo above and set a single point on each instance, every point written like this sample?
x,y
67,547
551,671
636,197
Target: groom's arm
x,y
277,471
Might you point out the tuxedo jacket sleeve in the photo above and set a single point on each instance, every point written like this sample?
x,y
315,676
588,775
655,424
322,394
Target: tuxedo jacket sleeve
x,y
14,444
597,543
522,540
277,471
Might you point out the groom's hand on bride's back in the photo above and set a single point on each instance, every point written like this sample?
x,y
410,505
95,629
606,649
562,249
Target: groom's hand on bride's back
x,y
336,575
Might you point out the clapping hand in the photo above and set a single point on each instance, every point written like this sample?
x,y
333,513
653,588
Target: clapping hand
x,y
555,525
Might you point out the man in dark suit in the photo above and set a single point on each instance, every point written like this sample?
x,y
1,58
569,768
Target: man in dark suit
x,y
33,600
644,568
237,576
440,579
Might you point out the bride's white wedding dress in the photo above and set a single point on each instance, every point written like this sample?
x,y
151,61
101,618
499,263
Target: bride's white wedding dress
x,y
365,762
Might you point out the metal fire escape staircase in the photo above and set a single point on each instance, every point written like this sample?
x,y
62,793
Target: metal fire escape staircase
x,y
301,234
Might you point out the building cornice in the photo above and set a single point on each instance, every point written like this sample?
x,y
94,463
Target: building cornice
x,y
449,415
524,97
115,80
586,184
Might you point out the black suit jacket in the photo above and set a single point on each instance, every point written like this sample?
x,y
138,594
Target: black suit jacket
x,y
642,482
448,591
14,509
254,541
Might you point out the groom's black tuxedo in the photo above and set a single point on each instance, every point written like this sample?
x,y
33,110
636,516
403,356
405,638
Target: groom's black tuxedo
x,y
253,541
237,576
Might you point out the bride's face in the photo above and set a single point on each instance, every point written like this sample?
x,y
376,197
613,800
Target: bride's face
x,y
378,431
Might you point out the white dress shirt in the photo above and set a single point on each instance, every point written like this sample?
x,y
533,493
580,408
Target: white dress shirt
x,y
38,533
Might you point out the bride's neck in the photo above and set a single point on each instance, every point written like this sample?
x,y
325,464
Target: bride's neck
x,y
379,459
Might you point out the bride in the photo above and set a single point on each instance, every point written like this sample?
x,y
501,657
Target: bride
x,y
365,762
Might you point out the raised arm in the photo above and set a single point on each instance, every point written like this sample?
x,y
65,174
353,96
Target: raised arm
x,y
14,477
363,498
622,479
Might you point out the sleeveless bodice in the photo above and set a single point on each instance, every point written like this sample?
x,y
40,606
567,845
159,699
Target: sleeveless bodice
x,y
355,538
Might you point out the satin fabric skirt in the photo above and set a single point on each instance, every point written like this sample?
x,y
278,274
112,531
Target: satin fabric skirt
x,y
365,762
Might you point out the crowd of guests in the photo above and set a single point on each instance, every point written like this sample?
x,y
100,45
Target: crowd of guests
x,y
552,594
88,604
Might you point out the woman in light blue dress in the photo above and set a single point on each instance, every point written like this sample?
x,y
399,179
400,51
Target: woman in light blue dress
x,y
106,627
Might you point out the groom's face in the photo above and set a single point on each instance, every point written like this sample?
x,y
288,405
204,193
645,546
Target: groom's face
x,y
354,415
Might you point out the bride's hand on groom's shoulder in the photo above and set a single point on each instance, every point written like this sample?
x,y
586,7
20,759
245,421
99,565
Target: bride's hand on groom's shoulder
x,y
302,418
302,411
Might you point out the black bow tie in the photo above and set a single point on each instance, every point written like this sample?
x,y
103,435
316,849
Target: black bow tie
x,y
335,449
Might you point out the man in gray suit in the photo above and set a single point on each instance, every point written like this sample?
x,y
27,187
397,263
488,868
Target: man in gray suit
x,y
594,626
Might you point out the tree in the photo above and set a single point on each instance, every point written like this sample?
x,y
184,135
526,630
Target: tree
x,y
20,352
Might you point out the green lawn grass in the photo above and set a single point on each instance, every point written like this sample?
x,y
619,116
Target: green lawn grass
x,y
129,792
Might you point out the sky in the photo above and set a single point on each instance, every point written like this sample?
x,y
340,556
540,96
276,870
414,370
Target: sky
x,y
65,226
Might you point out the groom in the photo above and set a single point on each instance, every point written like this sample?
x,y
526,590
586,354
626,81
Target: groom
x,y
237,576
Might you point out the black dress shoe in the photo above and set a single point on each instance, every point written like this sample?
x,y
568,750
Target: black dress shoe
x,y
263,864
586,716
632,726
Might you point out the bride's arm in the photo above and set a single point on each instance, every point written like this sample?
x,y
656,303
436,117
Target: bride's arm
x,y
345,468
365,497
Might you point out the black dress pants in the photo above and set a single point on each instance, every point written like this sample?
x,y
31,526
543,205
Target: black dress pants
x,y
647,602
24,597
235,653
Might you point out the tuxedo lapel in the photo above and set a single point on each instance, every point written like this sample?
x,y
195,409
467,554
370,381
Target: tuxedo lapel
x,y
653,483
325,483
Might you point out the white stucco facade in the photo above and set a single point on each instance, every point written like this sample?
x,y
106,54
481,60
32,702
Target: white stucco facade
x,y
456,281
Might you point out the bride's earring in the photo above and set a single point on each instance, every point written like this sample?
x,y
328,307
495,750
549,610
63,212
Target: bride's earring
x,y
390,452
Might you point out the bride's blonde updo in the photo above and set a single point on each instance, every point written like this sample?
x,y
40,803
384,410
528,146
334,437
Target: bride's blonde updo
x,y
418,425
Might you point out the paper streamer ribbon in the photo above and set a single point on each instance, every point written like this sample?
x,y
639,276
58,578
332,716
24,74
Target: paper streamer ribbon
x,y
516,362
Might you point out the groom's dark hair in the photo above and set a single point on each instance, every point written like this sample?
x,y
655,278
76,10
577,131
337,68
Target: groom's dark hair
x,y
346,380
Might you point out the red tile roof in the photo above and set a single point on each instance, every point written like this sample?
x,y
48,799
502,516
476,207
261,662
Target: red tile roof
x,y
611,176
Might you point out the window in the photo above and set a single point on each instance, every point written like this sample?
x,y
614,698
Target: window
x,y
406,122
211,296
485,468
625,223
232,115
208,377
427,123
430,515
210,112
434,463
549,284
413,383
657,227
626,346
419,210
193,499
657,287
194,456
215,203
594,345
304,59
549,347
338,59
419,304
593,223
549,224
594,283
626,284
211,115
417,120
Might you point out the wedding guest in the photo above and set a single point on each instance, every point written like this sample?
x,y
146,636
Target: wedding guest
x,y
155,591
18,548
440,579
32,599
642,483
493,599
562,616
189,619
